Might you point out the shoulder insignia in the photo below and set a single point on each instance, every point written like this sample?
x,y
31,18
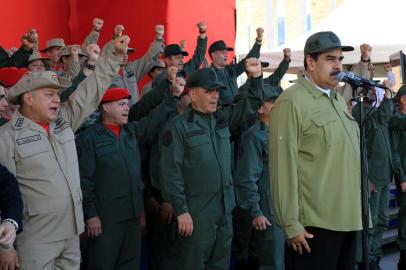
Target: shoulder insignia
x,y
167,138
60,125
19,122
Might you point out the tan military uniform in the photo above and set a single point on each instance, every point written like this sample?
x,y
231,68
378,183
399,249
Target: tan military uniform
x,y
47,171
135,70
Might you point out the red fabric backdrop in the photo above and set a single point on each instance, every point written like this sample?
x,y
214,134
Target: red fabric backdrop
x,y
72,20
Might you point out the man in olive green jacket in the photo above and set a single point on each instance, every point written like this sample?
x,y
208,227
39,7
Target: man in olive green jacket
x,y
315,163
110,172
196,168
397,128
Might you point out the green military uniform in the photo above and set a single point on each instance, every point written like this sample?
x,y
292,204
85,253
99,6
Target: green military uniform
x,y
379,170
228,75
193,64
112,187
397,128
275,78
161,237
253,193
196,155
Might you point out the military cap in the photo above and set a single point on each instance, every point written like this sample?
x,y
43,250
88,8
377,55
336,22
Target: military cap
x,y
174,49
11,75
219,45
36,80
323,42
66,52
264,64
115,93
56,42
39,56
205,78
401,91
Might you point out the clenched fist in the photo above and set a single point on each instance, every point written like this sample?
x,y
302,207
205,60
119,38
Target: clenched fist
x,y
97,24
93,53
159,31
121,45
118,30
253,67
260,33
286,53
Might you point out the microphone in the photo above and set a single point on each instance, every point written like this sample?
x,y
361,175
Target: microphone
x,y
351,78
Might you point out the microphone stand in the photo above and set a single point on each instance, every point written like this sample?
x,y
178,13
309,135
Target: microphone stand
x,y
364,179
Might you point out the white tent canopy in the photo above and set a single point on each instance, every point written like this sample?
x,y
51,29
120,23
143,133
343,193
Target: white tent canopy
x,y
376,22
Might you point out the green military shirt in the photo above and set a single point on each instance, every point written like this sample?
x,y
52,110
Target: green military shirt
x,y
196,157
228,76
110,170
397,128
314,161
252,174
377,140
275,78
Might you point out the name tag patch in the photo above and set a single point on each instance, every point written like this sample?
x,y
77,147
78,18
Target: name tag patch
x,y
29,139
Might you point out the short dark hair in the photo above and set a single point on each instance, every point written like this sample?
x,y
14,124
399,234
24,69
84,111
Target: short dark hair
x,y
315,56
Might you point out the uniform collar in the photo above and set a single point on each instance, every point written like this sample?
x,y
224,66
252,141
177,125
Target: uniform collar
x,y
19,121
313,90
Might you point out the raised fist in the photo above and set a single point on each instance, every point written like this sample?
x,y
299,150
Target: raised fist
x,y
93,53
97,24
366,50
260,33
171,71
121,45
286,53
159,31
201,26
178,85
74,52
30,39
183,44
118,30
253,67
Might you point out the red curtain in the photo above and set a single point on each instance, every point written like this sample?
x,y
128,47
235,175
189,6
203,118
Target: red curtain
x,y
72,20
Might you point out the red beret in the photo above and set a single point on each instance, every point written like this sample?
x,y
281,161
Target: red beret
x,y
114,94
11,75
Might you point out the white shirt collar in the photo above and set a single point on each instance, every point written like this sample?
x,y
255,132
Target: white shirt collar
x,y
326,91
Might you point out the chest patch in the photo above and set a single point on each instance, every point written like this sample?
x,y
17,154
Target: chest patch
x,y
29,139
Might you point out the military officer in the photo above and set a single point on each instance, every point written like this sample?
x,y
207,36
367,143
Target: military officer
x,y
228,73
397,128
37,146
110,171
379,168
52,50
133,71
173,56
196,168
265,240
315,163
11,208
